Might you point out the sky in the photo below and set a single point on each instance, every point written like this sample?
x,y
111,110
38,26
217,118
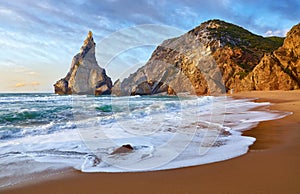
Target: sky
x,y
38,38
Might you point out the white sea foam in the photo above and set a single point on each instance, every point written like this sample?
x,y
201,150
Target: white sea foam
x,y
165,133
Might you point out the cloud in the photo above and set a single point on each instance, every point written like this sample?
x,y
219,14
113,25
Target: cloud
x,y
70,18
66,20
262,16
8,63
20,69
35,84
24,70
23,84
280,33
51,31
33,73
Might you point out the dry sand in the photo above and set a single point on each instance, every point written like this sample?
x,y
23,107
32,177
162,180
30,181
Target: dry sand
x,y
272,164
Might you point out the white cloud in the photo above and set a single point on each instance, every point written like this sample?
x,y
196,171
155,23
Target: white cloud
x,y
24,70
8,63
185,12
281,33
33,73
20,69
226,3
4,11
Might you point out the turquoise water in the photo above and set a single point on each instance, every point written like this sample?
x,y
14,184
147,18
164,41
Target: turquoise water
x,y
19,111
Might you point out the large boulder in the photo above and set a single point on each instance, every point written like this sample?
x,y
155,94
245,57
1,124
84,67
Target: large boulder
x,y
127,148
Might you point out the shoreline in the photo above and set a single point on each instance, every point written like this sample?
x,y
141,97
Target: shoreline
x,y
271,164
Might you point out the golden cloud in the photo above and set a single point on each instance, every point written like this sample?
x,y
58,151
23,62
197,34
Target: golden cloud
x,y
35,83
22,84
18,85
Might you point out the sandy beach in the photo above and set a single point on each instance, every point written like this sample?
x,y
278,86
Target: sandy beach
x,y
270,166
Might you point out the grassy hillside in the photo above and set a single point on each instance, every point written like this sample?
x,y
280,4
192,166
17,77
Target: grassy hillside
x,y
235,36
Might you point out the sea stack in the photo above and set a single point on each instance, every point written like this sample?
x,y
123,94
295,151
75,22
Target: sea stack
x,y
85,75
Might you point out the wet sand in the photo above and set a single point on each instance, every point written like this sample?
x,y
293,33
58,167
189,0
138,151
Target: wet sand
x,y
272,164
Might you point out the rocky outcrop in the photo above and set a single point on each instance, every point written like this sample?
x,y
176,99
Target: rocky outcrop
x,y
210,59
279,70
85,75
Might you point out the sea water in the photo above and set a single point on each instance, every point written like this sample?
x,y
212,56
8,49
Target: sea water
x,y
46,132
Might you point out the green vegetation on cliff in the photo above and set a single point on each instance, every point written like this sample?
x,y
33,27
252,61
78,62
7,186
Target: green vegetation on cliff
x,y
236,36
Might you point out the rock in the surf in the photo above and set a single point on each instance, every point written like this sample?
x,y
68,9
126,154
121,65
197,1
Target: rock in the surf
x,y
127,148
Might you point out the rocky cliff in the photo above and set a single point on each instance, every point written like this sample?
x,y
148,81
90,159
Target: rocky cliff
x,y
279,70
210,59
85,75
